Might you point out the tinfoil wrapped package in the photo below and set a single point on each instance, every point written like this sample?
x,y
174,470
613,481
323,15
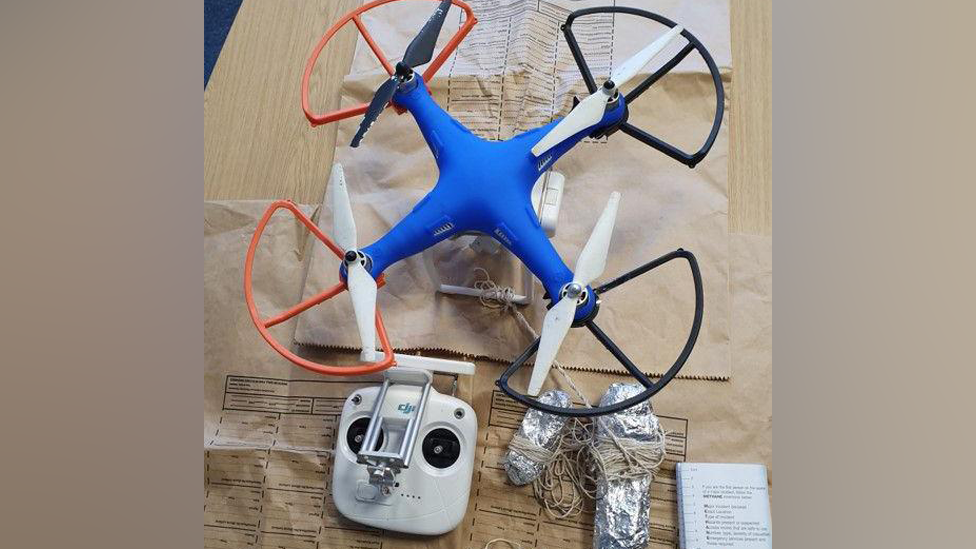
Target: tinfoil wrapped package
x,y
539,430
622,515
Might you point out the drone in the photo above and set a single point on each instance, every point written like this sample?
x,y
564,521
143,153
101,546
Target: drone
x,y
484,188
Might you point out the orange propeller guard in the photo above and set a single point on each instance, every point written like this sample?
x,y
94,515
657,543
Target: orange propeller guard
x,y
339,114
263,325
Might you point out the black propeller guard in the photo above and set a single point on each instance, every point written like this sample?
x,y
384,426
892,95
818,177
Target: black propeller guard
x,y
689,160
650,388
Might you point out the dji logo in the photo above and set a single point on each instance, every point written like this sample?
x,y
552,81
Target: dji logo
x,y
406,408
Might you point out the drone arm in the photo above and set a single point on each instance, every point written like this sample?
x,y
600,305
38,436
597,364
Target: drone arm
x,y
610,118
534,249
439,129
426,225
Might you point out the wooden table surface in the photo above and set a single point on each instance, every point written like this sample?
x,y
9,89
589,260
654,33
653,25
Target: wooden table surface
x,y
258,144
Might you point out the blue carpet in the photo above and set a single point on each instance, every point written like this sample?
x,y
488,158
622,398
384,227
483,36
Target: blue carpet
x,y
218,16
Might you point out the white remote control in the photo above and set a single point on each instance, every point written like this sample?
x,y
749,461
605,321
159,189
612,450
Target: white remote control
x,y
404,455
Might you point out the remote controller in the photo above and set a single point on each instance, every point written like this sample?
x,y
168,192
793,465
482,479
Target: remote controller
x,y
404,455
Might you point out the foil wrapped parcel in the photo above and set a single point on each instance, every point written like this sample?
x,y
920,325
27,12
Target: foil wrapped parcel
x,y
541,429
622,515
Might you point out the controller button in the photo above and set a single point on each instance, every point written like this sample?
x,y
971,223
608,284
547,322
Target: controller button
x,y
367,492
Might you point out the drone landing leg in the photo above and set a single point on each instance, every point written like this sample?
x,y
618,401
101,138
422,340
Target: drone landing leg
x,y
524,298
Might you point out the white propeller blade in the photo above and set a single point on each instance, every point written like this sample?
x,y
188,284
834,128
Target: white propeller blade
x,y
593,259
587,113
623,73
590,264
590,110
362,288
554,327
343,224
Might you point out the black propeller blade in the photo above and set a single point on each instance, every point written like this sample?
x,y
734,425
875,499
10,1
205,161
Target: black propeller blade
x,y
420,51
376,106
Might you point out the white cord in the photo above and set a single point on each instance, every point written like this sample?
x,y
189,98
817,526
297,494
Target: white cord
x,y
510,543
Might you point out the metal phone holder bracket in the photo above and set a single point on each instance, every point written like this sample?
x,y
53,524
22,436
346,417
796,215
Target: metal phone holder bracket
x,y
384,466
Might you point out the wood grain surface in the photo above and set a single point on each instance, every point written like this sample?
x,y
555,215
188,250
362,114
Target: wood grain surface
x,y
258,144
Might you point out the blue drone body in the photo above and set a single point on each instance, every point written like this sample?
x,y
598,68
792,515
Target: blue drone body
x,y
485,188
479,183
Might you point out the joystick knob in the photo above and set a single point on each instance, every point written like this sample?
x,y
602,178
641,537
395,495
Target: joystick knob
x,y
356,434
441,448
